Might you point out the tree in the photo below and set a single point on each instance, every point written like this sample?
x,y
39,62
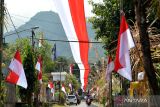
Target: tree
x,y
153,16
61,62
76,71
29,68
29,59
73,80
107,18
46,52
140,10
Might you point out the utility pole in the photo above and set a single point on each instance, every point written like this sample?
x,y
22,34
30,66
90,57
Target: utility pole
x,y
33,34
32,39
110,91
60,83
1,42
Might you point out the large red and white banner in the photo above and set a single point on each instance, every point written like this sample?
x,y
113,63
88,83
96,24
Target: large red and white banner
x,y
71,13
125,43
16,72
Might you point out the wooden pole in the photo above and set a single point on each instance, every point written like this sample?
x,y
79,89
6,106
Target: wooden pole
x,y
1,43
110,91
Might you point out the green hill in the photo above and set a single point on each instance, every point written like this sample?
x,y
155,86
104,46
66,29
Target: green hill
x,y
50,24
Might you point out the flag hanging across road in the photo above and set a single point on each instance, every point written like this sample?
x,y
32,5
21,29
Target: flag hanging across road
x,y
125,43
110,68
16,72
39,68
72,16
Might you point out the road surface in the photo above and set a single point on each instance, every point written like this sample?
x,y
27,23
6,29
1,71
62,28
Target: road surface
x,y
82,104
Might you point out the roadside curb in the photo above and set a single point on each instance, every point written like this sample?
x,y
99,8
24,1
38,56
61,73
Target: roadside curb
x,y
97,104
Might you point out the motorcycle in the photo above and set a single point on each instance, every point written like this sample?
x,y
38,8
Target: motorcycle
x,y
78,101
88,101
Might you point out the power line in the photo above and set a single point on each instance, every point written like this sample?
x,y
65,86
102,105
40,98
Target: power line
x,y
37,19
6,28
68,40
17,32
19,19
48,31
7,12
55,40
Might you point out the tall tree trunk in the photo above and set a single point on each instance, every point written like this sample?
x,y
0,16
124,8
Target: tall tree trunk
x,y
140,10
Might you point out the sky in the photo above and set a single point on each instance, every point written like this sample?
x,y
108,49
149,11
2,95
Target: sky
x,y
22,10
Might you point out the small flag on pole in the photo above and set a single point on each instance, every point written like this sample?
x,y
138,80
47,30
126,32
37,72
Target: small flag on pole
x,y
71,69
40,44
125,43
70,85
110,68
51,86
39,68
63,88
16,72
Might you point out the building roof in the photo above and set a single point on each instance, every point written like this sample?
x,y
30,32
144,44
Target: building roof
x,y
58,73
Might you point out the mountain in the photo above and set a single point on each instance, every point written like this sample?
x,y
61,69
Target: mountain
x,y
49,23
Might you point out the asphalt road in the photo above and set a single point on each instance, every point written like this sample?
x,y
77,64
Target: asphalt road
x,y
82,104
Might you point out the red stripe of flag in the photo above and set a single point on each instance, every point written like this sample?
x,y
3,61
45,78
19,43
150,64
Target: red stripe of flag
x,y
78,18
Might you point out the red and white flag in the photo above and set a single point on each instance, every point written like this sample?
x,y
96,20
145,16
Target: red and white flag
x,y
71,69
70,85
51,86
63,88
71,13
125,43
16,72
39,68
110,68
